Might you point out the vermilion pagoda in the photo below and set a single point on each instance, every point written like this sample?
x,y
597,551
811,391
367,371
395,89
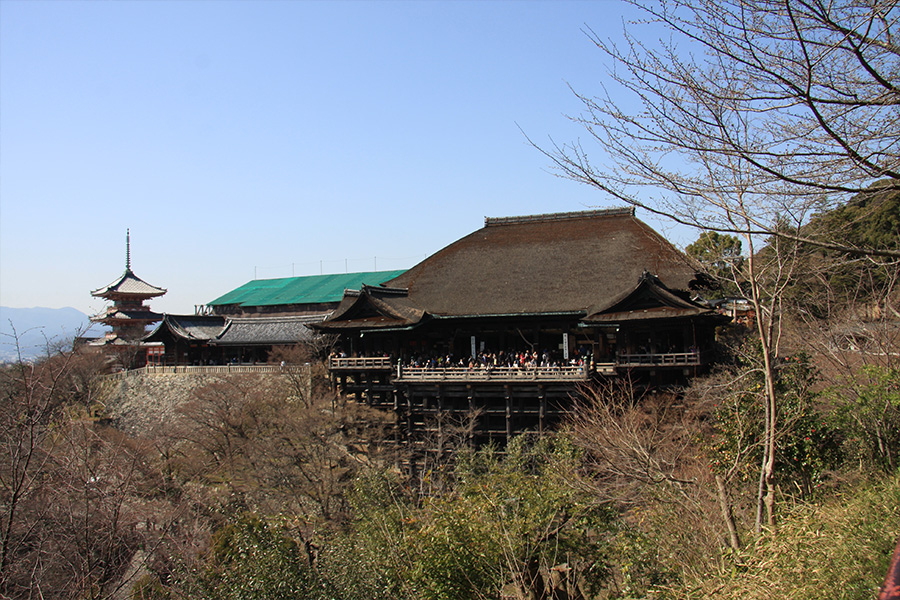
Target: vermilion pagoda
x,y
128,316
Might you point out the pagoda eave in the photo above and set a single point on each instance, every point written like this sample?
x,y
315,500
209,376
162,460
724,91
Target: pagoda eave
x,y
116,295
118,316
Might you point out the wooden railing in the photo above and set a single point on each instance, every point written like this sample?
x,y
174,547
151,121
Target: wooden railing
x,y
232,369
408,374
380,363
605,368
659,359
427,374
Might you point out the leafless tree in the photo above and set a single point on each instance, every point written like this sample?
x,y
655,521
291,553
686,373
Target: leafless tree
x,y
302,371
215,426
274,445
633,443
641,450
32,395
750,116
95,505
761,108
69,498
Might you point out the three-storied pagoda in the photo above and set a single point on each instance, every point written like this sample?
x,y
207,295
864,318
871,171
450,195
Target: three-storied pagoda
x,y
128,316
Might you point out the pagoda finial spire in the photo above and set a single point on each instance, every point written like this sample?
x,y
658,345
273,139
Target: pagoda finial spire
x,y
128,249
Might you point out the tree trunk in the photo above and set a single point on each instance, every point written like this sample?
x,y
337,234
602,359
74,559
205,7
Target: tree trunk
x,y
765,499
733,540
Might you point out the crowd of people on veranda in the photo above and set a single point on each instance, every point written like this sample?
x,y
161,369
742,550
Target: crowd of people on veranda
x,y
522,359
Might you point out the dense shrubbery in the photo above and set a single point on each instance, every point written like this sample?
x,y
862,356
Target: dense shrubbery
x,y
866,408
837,548
266,492
809,440
251,559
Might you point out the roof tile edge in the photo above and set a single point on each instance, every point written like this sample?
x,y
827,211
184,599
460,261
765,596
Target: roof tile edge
x,y
605,212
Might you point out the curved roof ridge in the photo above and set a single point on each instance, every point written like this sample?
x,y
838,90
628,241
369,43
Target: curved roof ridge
x,y
602,212
383,290
279,319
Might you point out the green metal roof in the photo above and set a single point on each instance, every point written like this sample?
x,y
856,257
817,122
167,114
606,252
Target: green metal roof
x,y
312,289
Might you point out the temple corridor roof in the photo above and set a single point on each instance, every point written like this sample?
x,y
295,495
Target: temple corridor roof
x,y
219,330
266,330
188,327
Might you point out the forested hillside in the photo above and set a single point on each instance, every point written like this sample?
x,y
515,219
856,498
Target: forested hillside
x,y
271,487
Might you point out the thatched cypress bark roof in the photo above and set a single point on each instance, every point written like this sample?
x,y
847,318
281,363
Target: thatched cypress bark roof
x,y
575,264
563,262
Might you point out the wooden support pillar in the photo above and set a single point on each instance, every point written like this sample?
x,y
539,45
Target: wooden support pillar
x,y
508,391
542,410
471,397
409,421
439,417
398,429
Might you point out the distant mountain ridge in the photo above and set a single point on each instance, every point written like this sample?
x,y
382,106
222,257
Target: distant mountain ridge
x,y
35,327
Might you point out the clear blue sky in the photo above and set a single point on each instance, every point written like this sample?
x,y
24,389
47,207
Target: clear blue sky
x,y
242,139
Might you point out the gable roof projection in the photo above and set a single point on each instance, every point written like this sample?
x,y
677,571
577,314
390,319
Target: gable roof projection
x,y
553,263
312,289
649,299
374,308
193,328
